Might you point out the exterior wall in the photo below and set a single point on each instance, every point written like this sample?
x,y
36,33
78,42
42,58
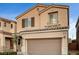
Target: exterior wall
x,y
62,17
8,26
1,24
13,30
42,19
32,13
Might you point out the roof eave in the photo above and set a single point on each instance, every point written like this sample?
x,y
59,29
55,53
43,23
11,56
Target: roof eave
x,y
29,10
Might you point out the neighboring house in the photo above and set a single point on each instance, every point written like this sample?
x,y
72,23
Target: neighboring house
x,y
72,48
72,45
7,29
44,30
77,33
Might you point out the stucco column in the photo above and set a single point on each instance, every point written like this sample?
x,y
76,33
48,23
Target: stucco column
x,y
24,46
2,43
65,44
14,44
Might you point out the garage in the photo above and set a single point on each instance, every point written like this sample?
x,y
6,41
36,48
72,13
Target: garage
x,y
44,46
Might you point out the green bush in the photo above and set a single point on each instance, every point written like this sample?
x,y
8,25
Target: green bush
x,y
8,53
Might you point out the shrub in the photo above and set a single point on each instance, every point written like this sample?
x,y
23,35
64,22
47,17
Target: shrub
x,y
8,53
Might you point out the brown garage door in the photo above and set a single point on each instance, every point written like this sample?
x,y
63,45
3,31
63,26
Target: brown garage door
x,y
44,46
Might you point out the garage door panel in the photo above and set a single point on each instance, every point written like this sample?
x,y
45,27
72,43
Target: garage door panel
x,y
44,46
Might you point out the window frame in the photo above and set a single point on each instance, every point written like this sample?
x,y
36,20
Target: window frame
x,y
50,20
24,24
11,26
0,24
5,24
32,21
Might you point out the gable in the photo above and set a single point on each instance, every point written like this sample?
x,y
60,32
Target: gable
x,y
54,6
40,6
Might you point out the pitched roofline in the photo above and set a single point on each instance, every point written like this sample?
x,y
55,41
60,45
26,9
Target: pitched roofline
x,y
54,5
33,7
4,19
77,22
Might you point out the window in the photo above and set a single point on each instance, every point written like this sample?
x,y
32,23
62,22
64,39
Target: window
x,y
0,24
32,21
11,25
53,17
28,22
37,9
4,24
25,23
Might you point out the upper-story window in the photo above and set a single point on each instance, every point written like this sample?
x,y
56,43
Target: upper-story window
x,y
11,26
4,24
53,18
0,24
28,22
32,22
25,23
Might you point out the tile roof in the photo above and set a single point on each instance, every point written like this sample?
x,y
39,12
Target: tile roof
x,y
4,19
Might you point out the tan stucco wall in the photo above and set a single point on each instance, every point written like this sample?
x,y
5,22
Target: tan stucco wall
x,y
1,24
32,13
62,17
42,20
8,26
13,30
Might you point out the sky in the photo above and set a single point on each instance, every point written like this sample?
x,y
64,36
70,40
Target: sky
x,y
11,10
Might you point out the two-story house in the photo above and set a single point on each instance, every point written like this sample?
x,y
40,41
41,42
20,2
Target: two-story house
x,y
44,30
7,29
